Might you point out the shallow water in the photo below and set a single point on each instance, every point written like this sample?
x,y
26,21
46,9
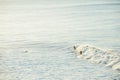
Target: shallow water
x,y
36,38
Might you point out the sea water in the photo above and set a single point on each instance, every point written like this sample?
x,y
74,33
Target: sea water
x,y
36,38
99,56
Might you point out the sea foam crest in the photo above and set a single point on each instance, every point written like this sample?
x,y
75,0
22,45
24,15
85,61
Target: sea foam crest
x,y
98,55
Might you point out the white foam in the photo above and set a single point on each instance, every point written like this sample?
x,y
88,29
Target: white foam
x,y
97,55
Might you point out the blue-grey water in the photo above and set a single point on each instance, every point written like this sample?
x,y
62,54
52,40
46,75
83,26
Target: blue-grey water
x,y
36,37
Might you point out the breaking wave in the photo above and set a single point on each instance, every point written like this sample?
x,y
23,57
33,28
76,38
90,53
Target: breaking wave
x,y
98,55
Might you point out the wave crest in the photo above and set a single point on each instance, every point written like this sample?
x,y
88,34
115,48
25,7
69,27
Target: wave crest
x,y
98,55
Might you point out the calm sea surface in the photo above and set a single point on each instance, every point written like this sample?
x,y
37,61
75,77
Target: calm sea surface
x,y
36,38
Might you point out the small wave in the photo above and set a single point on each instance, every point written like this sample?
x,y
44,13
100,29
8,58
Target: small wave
x,y
98,55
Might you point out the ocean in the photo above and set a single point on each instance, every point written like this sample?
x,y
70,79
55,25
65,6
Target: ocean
x,y
36,38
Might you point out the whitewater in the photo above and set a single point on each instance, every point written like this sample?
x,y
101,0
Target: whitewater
x,y
99,56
